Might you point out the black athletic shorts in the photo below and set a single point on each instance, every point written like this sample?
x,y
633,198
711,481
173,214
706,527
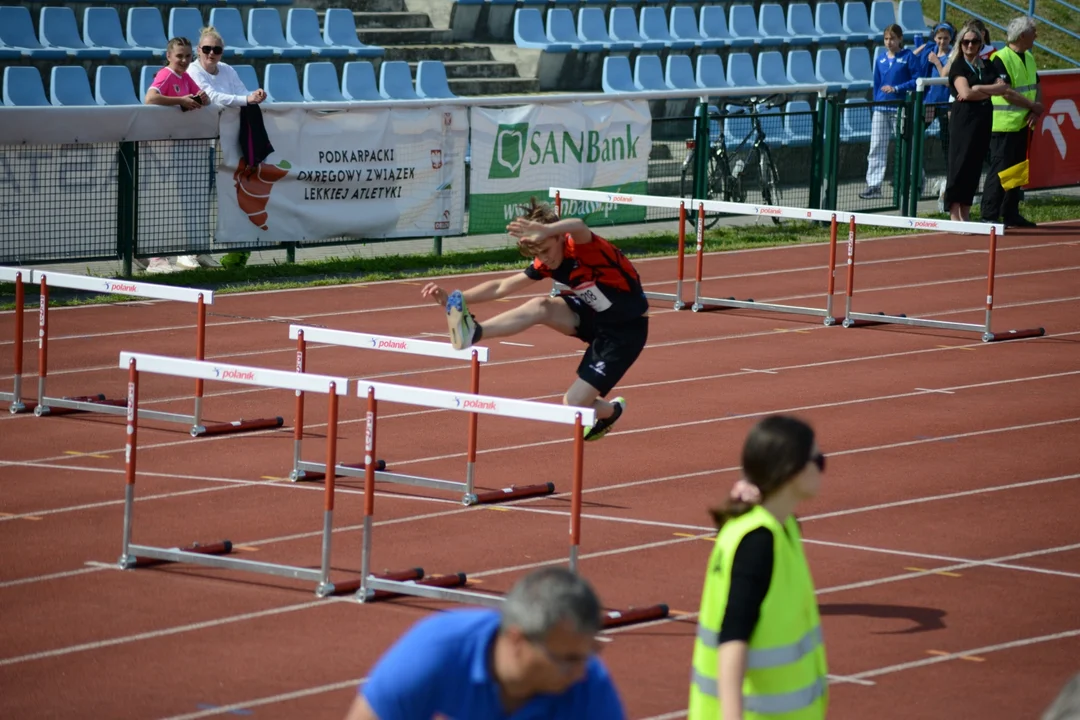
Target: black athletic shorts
x,y
612,348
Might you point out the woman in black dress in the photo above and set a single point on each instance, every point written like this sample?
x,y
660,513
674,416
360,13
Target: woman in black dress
x,y
971,83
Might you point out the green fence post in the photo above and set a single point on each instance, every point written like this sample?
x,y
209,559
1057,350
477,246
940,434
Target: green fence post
x,y
701,153
900,164
816,153
127,173
290,253
832,152
436,246
917,141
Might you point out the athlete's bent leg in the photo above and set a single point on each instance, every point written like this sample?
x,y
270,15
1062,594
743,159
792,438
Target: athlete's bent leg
x,y
582,394
549,311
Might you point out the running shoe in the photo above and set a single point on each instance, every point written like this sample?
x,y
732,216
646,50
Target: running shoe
x,y
600,429
461,322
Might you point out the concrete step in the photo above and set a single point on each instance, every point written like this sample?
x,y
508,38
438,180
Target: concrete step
x,y
391,20
371,6
409,36
494,86
458,70
446,53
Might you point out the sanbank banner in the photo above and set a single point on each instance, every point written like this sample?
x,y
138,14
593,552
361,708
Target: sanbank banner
x,y
375,173
520,152
1055,140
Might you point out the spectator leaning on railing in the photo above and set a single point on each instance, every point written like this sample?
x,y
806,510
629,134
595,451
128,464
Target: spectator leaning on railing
x,y
1014,116
894,74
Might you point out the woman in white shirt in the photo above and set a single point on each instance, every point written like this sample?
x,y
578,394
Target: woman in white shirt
x,y
224,87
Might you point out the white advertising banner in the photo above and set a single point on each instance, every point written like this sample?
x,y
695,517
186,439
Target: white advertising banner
x,y
373,173
520,152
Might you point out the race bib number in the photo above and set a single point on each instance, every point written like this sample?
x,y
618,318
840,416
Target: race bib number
x,y
592,296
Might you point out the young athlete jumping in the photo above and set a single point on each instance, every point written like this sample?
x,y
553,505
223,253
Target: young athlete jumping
x,y
607,308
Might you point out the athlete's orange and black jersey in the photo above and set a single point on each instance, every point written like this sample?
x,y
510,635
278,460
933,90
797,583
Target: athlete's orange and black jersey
x,y
601,276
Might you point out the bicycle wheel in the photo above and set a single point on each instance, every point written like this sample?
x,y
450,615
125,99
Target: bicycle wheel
x,y
770,180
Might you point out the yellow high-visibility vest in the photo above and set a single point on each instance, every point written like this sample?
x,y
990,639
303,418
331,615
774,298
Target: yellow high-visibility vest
x,y
786,671
1010,118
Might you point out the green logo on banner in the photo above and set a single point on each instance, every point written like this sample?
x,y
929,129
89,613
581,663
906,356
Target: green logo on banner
x,y
508,153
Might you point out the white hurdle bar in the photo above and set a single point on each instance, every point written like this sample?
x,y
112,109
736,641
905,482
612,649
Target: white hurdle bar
x,y
46,405
211,555
850,318
306,470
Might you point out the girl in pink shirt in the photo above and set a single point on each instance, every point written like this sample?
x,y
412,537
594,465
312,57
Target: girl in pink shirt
x,y
172,85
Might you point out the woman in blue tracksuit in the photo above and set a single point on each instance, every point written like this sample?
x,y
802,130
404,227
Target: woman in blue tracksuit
x,y
894,74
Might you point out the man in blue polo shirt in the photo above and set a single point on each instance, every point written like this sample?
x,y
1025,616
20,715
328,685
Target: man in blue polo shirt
x,y
534,659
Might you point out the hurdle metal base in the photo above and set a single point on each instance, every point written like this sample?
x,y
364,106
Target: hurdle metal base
x,y
675,300
313,472
236,426
1013,334
15,407
634,616
706,304
431,588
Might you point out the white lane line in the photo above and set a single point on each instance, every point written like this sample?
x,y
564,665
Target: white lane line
x,y
50,576
270,700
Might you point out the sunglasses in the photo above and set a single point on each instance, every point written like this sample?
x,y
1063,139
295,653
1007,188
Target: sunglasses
x,y
215,49
819,460
971,42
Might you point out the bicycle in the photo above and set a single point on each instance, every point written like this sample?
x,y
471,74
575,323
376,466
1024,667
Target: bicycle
x,y
726,168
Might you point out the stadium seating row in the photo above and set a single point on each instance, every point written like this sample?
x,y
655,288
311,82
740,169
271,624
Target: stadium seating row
x,y
69,85
715,26
102,36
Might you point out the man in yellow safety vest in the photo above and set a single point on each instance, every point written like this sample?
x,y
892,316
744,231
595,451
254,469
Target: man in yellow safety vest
x,y
1013,119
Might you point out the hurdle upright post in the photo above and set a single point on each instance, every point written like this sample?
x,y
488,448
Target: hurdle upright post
x,y
369,493
470,465
325,588
829,319
17,405
298,421
575,495
126,559
700,256
43,345
680,257
850,271
200,354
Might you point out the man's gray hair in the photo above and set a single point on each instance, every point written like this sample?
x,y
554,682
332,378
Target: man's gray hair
x,y
544,598
1018,26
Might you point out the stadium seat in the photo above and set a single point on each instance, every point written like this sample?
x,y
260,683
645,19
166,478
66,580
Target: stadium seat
x,y
623,26
230,26
188,22
616,76
69,86
560,29
145,30
830,70
339,30
23,87
713,25
773,25
800,68
800,25
737,126
710,72
770,69
431,80
302,29
146,78
17,38
744,25
829,26
529,32
649,73
358,81
248,76
855,121
684,26
264,30
654,26
857,23
593,28
679,73
113,86
740,70
280,83
799,123
395,80
772,122
857,69
59,29
882,15
101,29
910,16
321,82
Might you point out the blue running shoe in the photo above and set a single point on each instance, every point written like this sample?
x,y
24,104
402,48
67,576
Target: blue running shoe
x,y
461,322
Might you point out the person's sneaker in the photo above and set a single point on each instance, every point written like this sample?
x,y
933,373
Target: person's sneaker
x,y
187,261
208,261
461,322
159,266
600,429
871,192
1018,221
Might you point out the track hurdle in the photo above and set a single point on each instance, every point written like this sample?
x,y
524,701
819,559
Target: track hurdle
x,y
14,398
835,219
46,405
578,417
306,470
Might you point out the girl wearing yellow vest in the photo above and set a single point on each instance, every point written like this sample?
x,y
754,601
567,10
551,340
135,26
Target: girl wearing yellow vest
x,y
759,651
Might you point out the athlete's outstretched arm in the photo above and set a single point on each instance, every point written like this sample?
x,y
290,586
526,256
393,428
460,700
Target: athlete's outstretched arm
x,y
484,292
576,227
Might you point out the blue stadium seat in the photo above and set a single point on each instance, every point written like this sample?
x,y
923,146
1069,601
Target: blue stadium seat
x,y
113,86
653,24
713,25
187,22
616,76
529,32
101,29
395,80
684,26
882,15
649,73
146,78
800,68
264,30
740,70
69,85
302,29
829,26
280,83
910,16
830,70
773,25
593,28
230,26
772,122
622,25
736,126
855,121
679,73
145,30
358,81
857,23
710,72
431,80
58,29
339,30
248,76
321,82
17,38
800,127
744,25
560,29
23,87
770,68
857,69
800,25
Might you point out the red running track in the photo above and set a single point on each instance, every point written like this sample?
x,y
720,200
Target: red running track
x,y
944,544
